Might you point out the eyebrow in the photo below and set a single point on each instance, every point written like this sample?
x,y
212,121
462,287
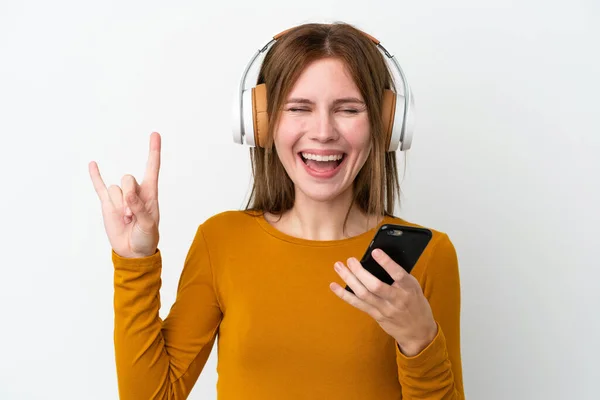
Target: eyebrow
x,y
343,100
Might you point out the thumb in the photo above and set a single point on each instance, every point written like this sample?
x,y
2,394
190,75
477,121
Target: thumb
x,y
138,208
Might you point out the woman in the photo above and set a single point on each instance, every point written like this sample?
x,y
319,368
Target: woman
x,y
269,279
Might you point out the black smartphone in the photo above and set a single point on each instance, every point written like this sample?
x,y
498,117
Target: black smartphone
x,y
404,244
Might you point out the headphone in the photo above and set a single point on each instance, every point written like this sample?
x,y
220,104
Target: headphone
x,y
251,121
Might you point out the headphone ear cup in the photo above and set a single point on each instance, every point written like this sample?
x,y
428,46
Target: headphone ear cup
x,y
388,111
247,118
260,116
237,120
396,129
409,124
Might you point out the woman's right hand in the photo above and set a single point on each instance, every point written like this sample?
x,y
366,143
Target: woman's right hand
x,y
130,212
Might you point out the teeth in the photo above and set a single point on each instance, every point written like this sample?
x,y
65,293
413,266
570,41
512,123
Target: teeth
x,y
316,157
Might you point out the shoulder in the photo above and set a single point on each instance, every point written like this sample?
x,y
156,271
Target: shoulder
x,y
231,216
229,224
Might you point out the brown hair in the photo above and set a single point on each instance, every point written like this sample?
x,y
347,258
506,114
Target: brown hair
x,y
376,186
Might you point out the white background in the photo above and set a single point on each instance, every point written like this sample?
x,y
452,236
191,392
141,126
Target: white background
x,y
505,160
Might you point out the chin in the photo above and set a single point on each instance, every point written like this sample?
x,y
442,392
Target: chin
x,y
321,192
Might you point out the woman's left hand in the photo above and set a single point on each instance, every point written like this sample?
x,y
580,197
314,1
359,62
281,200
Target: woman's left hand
x,y
401,309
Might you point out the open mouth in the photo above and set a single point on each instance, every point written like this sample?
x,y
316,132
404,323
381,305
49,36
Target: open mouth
x,y
322,163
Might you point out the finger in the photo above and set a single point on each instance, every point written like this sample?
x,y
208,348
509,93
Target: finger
x,y
98,183
369,281
153,164
355,301
355,284
129,185
396,271
116,196
145,221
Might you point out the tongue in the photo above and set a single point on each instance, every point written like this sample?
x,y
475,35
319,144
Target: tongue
x,y
321,166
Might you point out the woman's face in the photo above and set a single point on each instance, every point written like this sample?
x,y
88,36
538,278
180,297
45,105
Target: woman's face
x,y
323,137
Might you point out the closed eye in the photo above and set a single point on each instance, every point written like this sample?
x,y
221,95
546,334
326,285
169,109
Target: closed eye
x,y
348,111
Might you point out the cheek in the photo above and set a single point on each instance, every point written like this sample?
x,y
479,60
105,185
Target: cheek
x,y
286,136
358,136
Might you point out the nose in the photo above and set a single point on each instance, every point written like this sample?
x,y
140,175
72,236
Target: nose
x,y
324,129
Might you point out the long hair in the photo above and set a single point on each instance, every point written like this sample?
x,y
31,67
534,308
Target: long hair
x,y
376,186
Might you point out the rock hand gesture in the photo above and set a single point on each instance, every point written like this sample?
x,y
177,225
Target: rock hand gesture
x,y
130,212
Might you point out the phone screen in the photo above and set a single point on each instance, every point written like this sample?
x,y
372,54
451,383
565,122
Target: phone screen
x,y
404,244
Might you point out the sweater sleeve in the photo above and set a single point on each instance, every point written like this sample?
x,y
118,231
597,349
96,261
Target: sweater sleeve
x,y
436,372
158,359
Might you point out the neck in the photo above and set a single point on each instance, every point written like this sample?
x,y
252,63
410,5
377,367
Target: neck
x,y
325,220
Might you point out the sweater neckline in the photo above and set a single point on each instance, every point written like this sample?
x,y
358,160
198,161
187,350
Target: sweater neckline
x,y
271,230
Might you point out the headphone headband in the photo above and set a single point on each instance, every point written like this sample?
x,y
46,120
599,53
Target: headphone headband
x,y
400,136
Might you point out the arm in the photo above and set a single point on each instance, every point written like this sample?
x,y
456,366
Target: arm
x,y
156,359
436,372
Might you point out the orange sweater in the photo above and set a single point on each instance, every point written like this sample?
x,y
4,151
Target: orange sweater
x,y
282,333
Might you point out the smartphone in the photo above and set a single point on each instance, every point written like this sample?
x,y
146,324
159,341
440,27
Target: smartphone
x,y
404,244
